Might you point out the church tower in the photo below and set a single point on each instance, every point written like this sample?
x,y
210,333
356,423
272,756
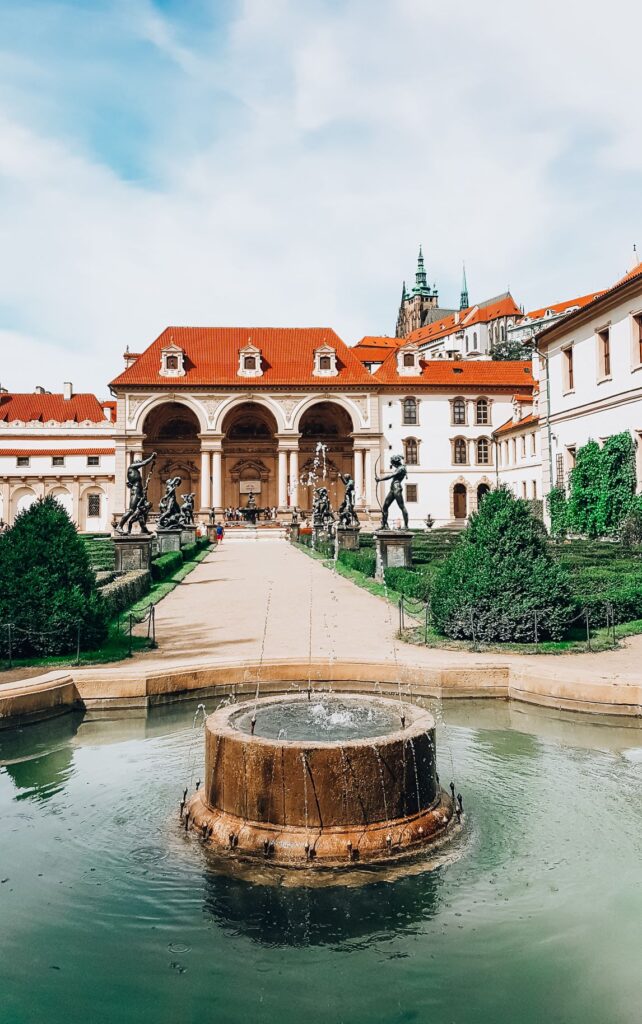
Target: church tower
x,y
420,306
463,299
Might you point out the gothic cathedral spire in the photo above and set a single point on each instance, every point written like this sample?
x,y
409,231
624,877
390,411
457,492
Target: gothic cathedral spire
x,y
421,283
463,299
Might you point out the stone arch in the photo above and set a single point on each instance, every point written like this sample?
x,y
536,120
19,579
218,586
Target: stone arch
x,y
64,498
149,405
229,405
326,448
461,499
337,400
172,429
22,499
88,522
484,487
250,454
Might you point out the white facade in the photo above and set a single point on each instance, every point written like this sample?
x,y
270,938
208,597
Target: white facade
x,y
519,451
591,378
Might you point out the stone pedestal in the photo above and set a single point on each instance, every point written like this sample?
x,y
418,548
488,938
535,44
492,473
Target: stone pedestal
x,y
133,551
188,536
348,537
394,550
211,533
294,533
168,540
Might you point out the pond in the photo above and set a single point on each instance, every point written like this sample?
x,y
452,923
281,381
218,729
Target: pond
x,y
111,913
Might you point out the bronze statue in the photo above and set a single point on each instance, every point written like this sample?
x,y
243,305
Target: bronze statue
x,y
187,509
397,476
170,512
322,515
347,514
139,506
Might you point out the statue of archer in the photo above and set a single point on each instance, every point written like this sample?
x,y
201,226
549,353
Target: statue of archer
x,y
397,476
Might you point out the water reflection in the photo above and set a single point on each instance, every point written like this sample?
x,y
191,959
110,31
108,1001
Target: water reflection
x,y
39,758
339,916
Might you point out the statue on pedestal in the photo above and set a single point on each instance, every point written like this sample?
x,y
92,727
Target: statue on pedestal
x,y
187,509
139,506
170,512
397,476
347,514
322,515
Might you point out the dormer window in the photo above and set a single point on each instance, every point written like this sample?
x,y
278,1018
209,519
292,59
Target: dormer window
x,y
172,361
325,362
408,361
250,364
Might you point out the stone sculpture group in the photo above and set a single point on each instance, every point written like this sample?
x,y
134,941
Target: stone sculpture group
x,y
172,516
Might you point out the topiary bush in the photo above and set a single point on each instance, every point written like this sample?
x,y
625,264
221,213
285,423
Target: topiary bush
x,y
48,587
363,561
125,590
412,583
499,575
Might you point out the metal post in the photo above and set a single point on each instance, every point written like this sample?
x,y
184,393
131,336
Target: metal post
x,y
78,645
427,625
130,634
472,627
535,629
9,624
588,630
401,613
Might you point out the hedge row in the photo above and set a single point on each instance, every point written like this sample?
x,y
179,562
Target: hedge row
x,y
363,561
166,565
125,590
411,583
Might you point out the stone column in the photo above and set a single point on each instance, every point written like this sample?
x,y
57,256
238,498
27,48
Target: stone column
x,y
294,477
358,475
283,478
206,492
217,478
369,478
121,462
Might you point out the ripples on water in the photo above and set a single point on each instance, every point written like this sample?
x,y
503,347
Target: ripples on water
x,y
110,912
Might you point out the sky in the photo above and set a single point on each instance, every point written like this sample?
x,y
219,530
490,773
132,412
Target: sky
x,y
278,162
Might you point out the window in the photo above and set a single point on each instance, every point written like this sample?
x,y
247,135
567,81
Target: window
x,y
604,352
483,451
408,359
93,506
534,489
22,460
513,445
411,492
571,457
569,382
57,460
249,363
637,336
325,363
171,362
410,411
459,411
93,460
474,339
524,446
460,452
524,495
533,444
481,411
411,451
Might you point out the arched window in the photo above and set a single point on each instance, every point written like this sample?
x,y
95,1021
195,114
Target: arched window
x,y
411,451
460,451
171,362
410,411
481,411
483,451
408,359
459,411
325,363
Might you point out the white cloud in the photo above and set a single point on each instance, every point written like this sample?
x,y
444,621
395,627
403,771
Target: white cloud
x,y
290,162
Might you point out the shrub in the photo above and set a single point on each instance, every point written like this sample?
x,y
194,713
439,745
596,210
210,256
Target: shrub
x,y
631,527
558,511
499,575
125,590
411,583
166,565
602,486
363,561
48,587
190,551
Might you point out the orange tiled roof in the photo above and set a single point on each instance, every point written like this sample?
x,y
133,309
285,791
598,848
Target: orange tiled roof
x,y
596,301
374,349
531,420
635,272
560,307
212,357
453,323
454,374
522,398
57,451
26,408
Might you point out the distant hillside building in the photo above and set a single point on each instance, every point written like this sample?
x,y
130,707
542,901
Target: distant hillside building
x,y
419,306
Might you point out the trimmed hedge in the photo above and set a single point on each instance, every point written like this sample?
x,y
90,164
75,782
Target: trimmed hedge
x,y
411,583
166,565
361,561
125,590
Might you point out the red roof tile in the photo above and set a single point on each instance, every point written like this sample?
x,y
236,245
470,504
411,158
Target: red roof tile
x,y
605,296
57,451
453,323
46,407
560,307
212,357
454,374
527,421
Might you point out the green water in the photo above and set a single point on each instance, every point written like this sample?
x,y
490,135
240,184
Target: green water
x,y
110,913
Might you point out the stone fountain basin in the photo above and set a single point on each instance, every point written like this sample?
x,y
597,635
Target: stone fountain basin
x,y
358,783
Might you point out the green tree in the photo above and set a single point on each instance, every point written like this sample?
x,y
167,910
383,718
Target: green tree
x,y
505,351
583,514
501,583
558,511
48,587
602,486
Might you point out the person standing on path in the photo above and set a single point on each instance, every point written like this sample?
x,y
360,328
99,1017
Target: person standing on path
x,y
220,532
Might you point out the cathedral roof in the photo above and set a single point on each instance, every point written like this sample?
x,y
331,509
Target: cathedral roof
x,y
212,358
456,374
481,313
44,407
374,349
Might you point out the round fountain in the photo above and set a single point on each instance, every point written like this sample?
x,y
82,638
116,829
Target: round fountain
x,y
321,780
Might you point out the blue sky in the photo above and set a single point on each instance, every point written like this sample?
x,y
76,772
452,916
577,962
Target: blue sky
x,y
272,162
